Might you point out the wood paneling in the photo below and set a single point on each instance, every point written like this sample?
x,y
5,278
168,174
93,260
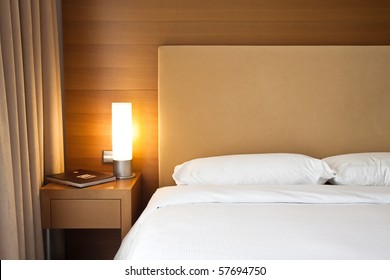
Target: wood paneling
x,y
243,33
110,54
111,78
227,10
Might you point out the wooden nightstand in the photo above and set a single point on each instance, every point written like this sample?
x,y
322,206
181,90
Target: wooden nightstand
x,y
113,205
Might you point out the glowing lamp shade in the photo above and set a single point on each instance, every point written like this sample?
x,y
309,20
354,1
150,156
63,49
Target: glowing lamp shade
x,y
122,140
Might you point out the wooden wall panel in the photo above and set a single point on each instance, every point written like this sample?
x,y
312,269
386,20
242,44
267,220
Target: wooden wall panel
x,y
231,33
227,10
110,54
111,78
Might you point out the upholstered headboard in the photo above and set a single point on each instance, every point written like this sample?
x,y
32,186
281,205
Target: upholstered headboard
x,y
315,100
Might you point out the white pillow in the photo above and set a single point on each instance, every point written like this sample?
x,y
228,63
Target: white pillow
x,y
361,169
248,169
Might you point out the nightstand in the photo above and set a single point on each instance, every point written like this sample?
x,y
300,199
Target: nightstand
x,y
113,205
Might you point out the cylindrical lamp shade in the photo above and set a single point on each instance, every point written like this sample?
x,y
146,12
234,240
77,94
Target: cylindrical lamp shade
x,y
122,140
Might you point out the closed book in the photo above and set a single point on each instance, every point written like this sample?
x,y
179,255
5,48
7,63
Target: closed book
x,y
81,178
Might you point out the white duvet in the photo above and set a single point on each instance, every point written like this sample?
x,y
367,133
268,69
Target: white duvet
x,y
262,222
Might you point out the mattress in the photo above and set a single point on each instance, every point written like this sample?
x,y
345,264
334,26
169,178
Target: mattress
x,y
273,222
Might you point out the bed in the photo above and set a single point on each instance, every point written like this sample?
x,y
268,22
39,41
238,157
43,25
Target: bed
x,y
270,152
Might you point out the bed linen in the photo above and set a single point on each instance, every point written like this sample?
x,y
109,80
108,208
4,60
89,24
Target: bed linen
x,y
262,222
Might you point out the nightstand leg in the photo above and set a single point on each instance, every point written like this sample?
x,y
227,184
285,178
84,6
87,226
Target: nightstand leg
x,y
48,244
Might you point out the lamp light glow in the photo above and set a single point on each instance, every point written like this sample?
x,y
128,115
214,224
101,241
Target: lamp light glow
x,y
122,140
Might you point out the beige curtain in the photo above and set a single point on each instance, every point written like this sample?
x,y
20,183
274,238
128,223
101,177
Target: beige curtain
x,y
31,136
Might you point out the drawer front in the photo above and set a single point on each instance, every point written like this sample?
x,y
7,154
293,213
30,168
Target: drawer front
x,y
85,214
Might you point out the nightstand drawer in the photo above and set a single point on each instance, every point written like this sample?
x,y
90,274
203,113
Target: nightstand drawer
x,y
85,213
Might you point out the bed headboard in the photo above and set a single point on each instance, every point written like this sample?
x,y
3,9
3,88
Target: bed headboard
x,y
315,100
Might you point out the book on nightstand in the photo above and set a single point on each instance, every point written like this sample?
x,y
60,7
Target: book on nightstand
x,y
81,178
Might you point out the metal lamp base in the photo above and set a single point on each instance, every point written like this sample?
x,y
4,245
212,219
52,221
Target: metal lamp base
x,y
122,169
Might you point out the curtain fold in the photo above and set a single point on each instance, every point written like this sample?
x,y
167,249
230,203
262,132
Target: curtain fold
x,y
31,120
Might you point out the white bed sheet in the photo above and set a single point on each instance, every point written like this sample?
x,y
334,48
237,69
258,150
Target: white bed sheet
x,y
262,222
